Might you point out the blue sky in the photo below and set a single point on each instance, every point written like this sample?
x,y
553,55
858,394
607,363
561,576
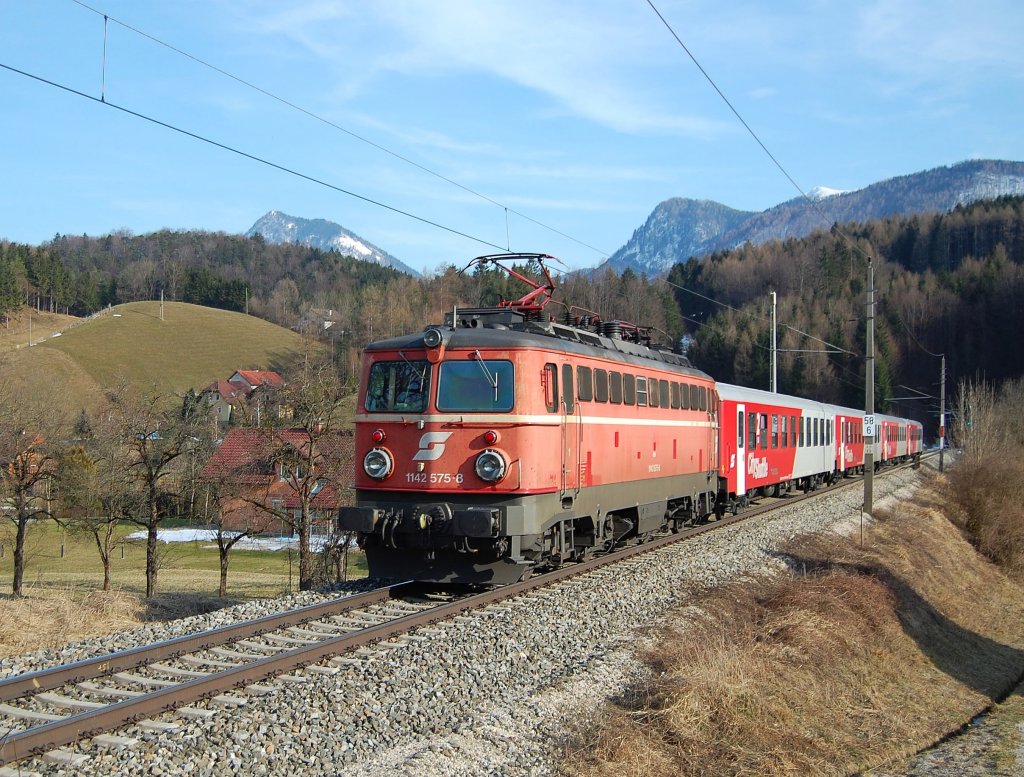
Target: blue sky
x,y
579,115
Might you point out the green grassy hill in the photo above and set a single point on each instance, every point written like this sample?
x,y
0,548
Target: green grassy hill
x,y
189,348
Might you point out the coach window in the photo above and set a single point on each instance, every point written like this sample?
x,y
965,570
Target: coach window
x,y
652,385
739,429
585,384
615,387
817,432
784,441
684,397
550,380
663,393
792,431
628,389
828,428
600,385
775,430
762,430
641,392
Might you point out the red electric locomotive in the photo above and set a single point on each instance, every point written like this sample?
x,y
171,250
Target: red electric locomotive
x,y
502,441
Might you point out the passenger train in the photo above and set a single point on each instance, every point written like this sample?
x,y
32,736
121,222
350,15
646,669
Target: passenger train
x,y
502,441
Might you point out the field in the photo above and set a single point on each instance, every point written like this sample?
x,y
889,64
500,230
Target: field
x,y
64,574
189,347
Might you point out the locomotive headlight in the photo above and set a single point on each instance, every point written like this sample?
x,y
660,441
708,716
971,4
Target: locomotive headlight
x,y
432,338
491,466
378,464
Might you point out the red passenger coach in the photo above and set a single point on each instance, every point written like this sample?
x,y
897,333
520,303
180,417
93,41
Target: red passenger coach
x,y
499,442
771,443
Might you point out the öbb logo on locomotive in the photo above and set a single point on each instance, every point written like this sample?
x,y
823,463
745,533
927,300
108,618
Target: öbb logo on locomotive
x,y
564,435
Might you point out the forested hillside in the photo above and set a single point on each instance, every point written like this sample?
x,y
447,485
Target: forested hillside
x,y
950,283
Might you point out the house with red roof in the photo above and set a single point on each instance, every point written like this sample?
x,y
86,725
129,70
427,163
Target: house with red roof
x,y
273,480
254,389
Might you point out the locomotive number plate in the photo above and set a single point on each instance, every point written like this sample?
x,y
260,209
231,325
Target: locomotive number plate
x,y
434,478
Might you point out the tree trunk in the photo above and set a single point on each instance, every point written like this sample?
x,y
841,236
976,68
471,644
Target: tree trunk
x,y
19,557
305,554
151,570
151,544
103,546
224,571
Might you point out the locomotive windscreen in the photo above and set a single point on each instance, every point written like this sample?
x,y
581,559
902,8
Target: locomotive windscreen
x,y
476,385
402,386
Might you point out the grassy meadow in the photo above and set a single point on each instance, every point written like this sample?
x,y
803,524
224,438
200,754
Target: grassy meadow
x,y
189,348
63,577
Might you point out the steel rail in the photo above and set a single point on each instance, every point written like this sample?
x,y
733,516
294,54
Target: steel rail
x,y
38,739
55,677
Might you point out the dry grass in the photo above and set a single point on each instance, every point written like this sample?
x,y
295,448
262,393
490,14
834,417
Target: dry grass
x,y
36,622
855,659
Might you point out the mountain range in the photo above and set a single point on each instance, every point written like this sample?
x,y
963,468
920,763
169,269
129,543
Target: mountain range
x,y
278,227
681,228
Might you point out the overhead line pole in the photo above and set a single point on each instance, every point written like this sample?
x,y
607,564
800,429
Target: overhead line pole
x,y
942,412
869,396
775,351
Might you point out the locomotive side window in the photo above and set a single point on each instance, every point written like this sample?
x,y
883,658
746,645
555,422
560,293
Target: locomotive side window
x,y
476,384
751,430
551,387
641,392
601,385
675,396
694,401
684,396
628,389
585,383
739,429
663,393
398,386
568,392
703,398
652,384
615,388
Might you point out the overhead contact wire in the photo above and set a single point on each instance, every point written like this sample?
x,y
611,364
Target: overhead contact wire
x,y
340,128
249,156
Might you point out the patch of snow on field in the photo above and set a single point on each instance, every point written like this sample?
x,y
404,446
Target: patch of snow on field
x,y
316,542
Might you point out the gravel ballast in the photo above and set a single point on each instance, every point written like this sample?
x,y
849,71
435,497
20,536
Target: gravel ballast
x,y
487,693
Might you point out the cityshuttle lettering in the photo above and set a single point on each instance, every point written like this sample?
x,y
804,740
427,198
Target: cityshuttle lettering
x,y
757,468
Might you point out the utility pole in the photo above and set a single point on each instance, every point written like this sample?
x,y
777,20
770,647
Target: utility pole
x,y
942,412
869,398
774,387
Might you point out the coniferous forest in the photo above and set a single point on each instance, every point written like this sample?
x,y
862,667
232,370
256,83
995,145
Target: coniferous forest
x,y
949,283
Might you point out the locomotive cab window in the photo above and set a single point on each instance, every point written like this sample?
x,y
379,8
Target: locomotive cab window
x,y
628,389
550,380
600,385
615,388
568,392
476,384
641,392
398,387
585,384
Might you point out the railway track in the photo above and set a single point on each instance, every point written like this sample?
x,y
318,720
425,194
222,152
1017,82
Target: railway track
x,y
44,711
